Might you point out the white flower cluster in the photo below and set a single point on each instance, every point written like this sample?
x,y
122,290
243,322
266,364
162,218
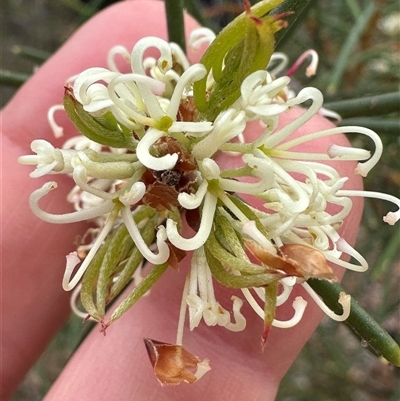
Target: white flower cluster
x,y
147,101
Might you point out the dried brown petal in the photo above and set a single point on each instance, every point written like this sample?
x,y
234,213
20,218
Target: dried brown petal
x,y
175,255
171,363
311,263
295,260
160,196
273,261
187,110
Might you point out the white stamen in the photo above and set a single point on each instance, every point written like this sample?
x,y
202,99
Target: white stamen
x,y
182,313
72,261
392,217
164,63
347,153
344,246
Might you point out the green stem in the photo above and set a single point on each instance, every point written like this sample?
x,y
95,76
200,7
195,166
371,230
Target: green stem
x,y
31,53
367,106
175,23
193,8
381,126
348,47
12,78
359,321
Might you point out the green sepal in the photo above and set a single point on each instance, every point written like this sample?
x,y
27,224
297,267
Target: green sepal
x,y
118,249
271,293
147,232
235,281
249,213
227,236
105,130
89,281
241,48
144,286
228,259
99,286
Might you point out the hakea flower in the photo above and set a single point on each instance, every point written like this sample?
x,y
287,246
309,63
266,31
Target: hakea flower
x,y
154,165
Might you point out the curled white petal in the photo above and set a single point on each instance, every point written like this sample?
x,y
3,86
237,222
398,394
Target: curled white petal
x,y
164,63
166,162
80,215
240,321
343,246
305,94
192,74
87,78
117,50
287,287
344,300
199,36
163,249
193,201
210,169
58,131
199,239
299,306
134,195
73,302
250,229
277,63
80,177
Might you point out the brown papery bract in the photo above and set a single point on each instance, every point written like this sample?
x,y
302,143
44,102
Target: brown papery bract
x,y
171,363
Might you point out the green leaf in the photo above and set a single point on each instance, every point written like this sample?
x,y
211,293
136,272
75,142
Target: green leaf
x,y
241,48
105,130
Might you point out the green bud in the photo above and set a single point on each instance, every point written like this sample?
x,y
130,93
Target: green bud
x,y
241,48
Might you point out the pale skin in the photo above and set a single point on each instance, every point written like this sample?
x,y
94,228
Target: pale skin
x,y
116,366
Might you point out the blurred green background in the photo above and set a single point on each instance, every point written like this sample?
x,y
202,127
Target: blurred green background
x,y
359,46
